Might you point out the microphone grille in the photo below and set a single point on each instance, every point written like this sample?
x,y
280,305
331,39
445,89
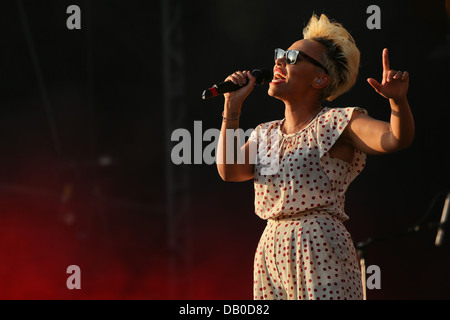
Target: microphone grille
x,y
262,76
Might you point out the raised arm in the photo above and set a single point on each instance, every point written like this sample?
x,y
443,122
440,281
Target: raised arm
x,y
231,169
373,136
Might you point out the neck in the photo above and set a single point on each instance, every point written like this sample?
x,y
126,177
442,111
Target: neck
x,y
299,115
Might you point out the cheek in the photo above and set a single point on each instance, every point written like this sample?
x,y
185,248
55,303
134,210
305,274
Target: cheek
x,y
296,79
301,75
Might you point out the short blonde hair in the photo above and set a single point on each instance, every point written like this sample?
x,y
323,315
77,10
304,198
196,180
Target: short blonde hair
x,y
341,56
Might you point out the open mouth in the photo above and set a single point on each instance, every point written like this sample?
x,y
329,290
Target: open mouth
x,y
278,76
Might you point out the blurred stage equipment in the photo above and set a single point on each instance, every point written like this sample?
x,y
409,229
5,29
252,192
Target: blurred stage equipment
x,y
420,226
40,79
444,217
176,177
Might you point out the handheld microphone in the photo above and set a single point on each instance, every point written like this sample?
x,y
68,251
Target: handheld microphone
x,y
444,217
262,76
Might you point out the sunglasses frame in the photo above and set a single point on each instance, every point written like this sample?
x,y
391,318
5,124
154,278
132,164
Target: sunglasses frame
x,y
297,53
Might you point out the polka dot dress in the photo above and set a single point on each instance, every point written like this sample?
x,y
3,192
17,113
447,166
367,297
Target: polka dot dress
x,y
305,251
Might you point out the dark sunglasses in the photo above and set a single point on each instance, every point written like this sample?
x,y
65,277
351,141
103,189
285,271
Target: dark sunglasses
x,y
292,56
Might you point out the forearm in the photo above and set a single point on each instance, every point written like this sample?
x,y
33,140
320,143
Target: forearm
x,y
378,137
230,121
230,157
401,124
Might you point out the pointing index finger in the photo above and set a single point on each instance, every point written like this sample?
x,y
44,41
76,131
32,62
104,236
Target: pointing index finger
x,y
385,60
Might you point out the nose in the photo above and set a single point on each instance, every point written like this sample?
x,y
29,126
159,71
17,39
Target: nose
x,y
281,61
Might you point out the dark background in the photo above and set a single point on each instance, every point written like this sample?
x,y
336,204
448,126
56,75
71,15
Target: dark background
x,y
71,99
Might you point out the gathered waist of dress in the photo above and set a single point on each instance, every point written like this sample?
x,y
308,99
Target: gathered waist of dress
x,y
304,214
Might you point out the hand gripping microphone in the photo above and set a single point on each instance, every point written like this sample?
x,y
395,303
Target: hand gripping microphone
x,y
262,76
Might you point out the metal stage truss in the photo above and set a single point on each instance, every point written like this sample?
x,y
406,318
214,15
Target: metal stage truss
x,y
176,176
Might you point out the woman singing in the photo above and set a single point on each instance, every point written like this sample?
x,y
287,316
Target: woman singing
x,y
303,164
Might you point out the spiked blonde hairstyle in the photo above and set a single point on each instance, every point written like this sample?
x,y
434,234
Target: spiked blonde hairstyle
x,y
341,56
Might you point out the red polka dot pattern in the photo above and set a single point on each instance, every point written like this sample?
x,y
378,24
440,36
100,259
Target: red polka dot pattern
x,y
311,257
305,251
294,172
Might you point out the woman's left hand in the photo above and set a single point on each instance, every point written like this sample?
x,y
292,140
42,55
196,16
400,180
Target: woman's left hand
x,y
394,84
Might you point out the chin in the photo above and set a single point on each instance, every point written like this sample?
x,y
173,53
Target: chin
x,y
273,92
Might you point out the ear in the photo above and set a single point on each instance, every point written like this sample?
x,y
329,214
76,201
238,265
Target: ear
x,y
321,81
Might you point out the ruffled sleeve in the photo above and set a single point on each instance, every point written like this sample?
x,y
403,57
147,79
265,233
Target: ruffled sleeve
x,y
265,136
263,130
254,136
330,126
